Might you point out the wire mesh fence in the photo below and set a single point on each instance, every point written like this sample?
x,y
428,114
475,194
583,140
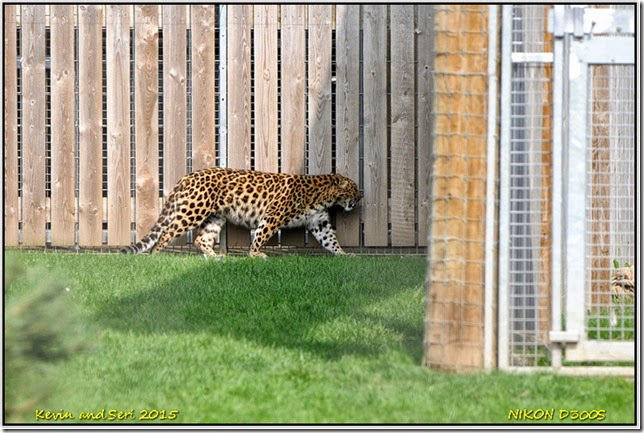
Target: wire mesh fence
x,y
610,203
530,187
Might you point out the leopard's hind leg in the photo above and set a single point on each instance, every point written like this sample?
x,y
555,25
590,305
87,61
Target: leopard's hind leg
x,y
207,234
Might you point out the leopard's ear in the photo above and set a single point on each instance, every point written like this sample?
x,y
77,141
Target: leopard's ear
x,y
340,180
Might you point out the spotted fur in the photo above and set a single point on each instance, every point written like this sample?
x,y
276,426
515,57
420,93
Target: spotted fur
x,y
207,199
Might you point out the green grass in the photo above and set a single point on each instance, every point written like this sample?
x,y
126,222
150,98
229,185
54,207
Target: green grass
x,y
293,339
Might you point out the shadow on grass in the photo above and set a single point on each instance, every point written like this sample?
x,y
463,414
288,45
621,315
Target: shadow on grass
x,y
329,307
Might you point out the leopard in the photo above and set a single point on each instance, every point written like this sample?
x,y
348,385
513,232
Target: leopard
x,y
265,202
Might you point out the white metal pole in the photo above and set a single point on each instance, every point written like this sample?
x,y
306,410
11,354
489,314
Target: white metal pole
x,y
488,330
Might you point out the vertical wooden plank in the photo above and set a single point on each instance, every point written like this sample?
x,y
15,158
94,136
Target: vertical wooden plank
x,y
175,99
293,101
347,112
62,125
11,204
203,88
403,182
319,89
175,24
33,131
375,125
90,70
239,67
240,19
424,50
146,101
265,25
118,124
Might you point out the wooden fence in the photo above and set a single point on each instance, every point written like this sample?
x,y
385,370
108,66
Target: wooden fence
x,y
106,107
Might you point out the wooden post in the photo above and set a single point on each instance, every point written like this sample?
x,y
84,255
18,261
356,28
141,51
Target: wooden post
x,y
455,302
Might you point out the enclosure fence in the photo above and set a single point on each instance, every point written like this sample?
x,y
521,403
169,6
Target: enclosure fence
x,y
498,140
106,107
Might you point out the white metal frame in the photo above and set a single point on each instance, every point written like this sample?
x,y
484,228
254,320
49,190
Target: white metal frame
x,y
575,49
583,53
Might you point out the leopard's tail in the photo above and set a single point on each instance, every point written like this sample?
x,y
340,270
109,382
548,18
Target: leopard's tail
x,y
148,241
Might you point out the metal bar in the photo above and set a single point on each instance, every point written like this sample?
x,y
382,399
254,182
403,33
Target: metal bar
x,y
574,269
532,57
493,33
504,200
557,191
223,53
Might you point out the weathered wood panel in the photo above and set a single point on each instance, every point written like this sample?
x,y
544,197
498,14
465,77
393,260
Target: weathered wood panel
x,y
90,70
203,87
174,95
375,125
11,203
33,130
319,73
424,44
265,66
240,23
293,101
146,100
62,126
175,22
403,182
117,45
347,112
239,91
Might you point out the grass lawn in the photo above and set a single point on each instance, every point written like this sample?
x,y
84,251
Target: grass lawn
x,y
292,339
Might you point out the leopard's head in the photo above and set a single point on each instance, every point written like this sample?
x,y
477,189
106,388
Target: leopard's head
x,y
347,193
